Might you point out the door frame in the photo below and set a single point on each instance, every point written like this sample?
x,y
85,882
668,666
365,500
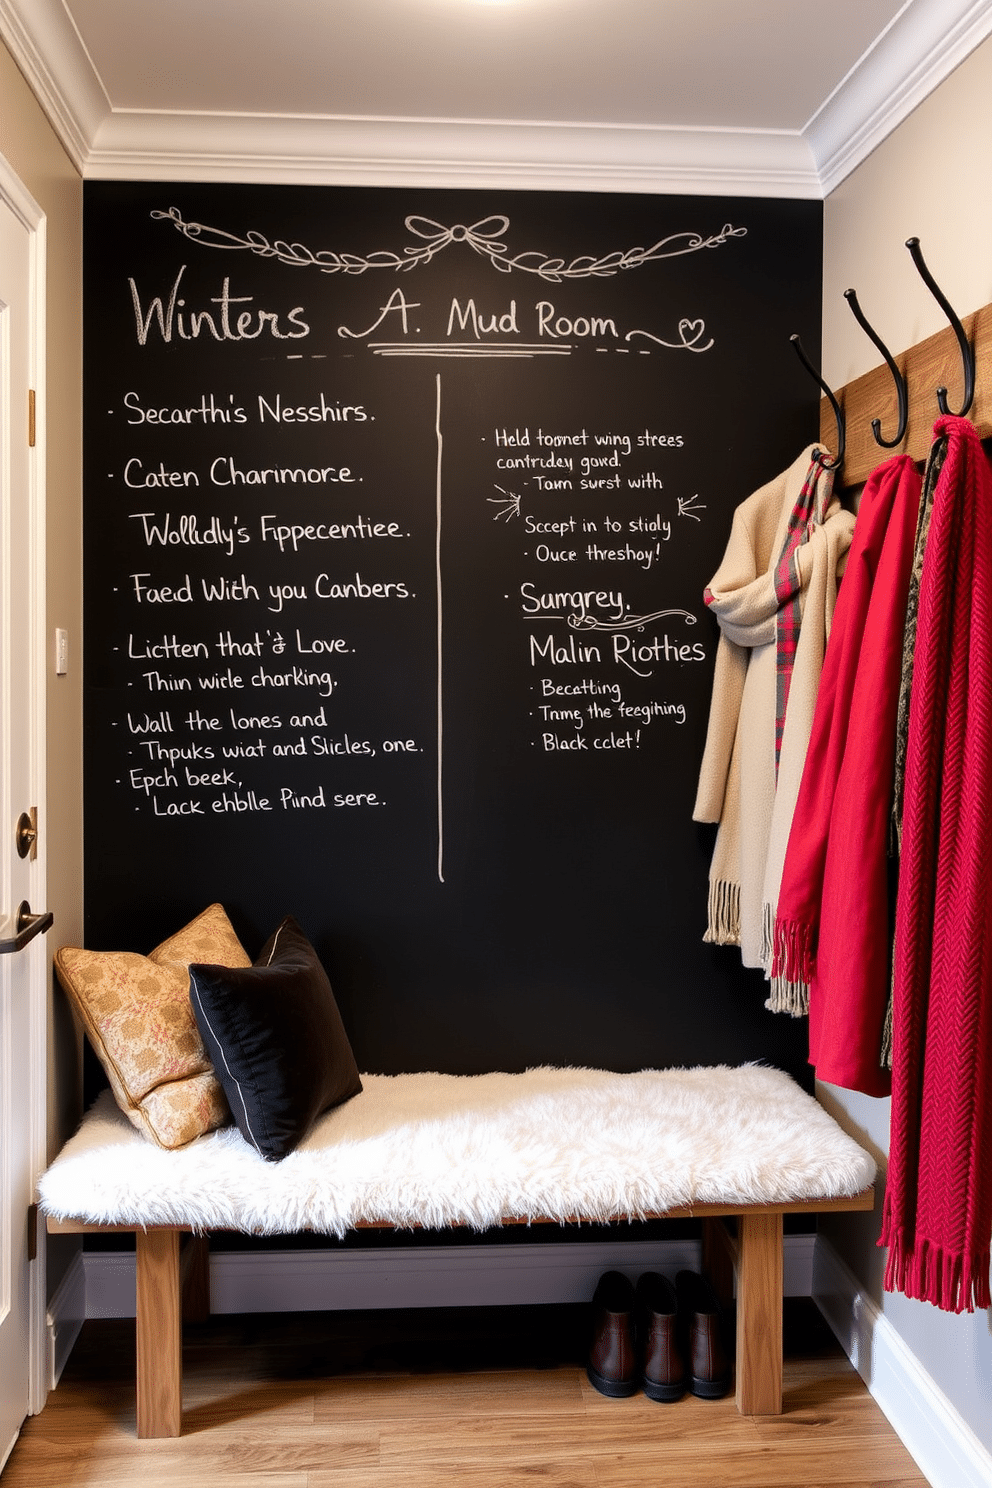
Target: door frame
x,y
23,205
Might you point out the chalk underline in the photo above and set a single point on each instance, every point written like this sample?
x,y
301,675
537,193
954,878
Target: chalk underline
x,y
466,349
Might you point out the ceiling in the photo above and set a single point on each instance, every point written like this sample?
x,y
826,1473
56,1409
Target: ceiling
x,y
760,97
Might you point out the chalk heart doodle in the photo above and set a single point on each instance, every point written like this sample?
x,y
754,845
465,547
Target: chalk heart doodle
x,y
691,333
485,237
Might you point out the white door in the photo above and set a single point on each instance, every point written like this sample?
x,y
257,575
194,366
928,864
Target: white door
x,y
22,878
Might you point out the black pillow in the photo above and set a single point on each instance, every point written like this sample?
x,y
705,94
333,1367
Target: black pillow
x,y
276,1040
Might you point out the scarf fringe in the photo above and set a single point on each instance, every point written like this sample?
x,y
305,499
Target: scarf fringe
x,y
724,913
788,997
784,996
948,1279
767,935
793,958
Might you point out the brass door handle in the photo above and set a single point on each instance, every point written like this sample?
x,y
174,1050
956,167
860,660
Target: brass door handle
x,y
26,834
26,927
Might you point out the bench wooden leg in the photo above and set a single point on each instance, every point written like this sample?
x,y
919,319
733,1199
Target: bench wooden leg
x,y
759,1314
159,1333
195,1273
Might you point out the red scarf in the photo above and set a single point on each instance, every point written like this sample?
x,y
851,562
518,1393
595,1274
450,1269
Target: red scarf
x,y
938,1203
833,928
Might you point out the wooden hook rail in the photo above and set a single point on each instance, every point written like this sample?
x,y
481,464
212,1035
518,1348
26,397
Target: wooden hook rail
x,y
933,363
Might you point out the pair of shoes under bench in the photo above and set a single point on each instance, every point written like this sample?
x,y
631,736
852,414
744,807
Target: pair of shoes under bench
x,y
643,1337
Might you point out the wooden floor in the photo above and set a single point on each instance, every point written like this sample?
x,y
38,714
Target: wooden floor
x,y
478,1399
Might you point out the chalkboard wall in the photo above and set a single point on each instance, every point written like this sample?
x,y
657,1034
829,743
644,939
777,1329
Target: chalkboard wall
x,y
399,509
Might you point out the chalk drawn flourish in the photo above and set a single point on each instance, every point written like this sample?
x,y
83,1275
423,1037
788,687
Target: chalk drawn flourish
x,y
690,337
629,622
508,503
484,237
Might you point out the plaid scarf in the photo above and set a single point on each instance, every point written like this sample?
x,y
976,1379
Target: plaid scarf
x,y
808,512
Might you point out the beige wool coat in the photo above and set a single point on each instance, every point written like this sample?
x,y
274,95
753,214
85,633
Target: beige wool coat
x,y
738,788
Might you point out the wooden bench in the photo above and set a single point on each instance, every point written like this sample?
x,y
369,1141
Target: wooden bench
x,y
167,1270
96,1163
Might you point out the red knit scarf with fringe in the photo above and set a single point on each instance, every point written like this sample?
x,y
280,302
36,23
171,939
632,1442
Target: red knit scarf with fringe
x,y
833,929
937,1219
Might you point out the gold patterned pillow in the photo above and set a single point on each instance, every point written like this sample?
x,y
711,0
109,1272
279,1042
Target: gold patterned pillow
x,y
137,1014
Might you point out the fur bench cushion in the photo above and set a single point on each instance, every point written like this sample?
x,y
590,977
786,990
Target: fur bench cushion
x,y
439,1150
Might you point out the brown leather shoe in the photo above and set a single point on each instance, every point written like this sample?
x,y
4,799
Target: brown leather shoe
x,y
613,1368
702,1332
663,1371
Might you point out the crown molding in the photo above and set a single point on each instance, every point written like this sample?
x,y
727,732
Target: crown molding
x,y
926,41
452,153
922,47
48,51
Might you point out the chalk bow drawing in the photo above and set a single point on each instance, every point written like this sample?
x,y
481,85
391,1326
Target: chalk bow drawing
x,y
484,237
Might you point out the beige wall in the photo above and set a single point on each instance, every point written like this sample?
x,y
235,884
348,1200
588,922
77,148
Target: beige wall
x,y
33,151
931,179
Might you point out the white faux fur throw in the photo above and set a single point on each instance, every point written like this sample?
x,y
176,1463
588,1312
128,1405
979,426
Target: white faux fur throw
x,y
439,1150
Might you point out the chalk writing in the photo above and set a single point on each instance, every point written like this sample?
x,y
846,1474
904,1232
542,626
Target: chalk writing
x,y
171,317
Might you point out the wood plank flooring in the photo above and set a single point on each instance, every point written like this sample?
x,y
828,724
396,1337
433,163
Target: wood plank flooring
x,y
493,1398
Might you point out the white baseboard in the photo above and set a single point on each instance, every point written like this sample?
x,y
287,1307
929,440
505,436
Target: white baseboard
x,y
64,1318
110,1284
457,1276
462,1276
941,1443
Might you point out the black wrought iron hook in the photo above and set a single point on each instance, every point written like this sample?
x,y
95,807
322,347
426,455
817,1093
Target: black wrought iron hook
x,y
851,297
838,459
967,353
